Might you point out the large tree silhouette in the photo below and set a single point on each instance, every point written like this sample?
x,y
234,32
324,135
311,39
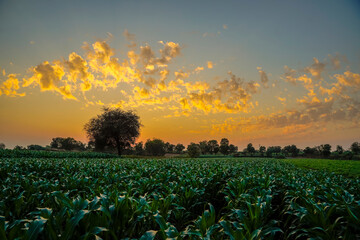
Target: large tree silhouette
x,y
115,128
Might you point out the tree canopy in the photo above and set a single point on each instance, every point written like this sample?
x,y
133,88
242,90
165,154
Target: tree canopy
x,y
155,147
115,128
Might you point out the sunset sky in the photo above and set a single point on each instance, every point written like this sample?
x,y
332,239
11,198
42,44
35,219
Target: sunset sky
x,y
266,72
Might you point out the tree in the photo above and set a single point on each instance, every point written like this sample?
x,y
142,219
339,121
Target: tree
x,y
179,148
262,150
67,143
115,128
250,149
325,150
139,148
17,147
2,146
273,150
232,149
155,147
339,149
224,146
213,146
35,147
309,151
204,147
355,148
194,150
291,150
169,148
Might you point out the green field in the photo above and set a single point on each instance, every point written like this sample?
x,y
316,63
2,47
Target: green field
x,y
345,167
73,198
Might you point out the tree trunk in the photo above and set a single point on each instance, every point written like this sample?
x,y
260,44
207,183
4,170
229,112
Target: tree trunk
x,y
118,146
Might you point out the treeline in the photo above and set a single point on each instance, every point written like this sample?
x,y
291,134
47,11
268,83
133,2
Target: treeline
x,y
211,148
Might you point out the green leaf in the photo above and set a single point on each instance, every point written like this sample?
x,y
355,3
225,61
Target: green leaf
x,y
74,221
2,228
149,235
160,220
35,228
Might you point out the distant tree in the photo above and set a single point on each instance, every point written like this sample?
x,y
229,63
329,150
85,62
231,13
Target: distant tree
x,y
339,149
250,149
2,146
213,146
115,128
179,148
273,150
262,150
17,147
205,148
169,148
291,150
35,147
67,143
309,151
155,147
325,150
224,146
355,148
194,150
233,149
139,148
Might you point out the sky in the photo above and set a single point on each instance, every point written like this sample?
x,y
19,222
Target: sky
x,y
266,72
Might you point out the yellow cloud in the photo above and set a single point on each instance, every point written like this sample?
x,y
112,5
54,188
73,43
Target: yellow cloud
x,y
50,78
199,69
349,79
210,64
181,75
281,99
10,86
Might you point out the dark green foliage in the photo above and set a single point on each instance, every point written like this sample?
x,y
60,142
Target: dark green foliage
x,y
114,128
174,199
204,146
311,152
35,147
155,147
139,149
169,148
355,148
325,150
273,150
339,149
17,147
65,143
291,150
233,149
2,146
224,146
262,150
179,148
213,147
193,150
8,153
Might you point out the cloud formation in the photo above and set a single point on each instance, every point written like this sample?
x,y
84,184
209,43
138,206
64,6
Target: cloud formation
x,y
11,86
151,76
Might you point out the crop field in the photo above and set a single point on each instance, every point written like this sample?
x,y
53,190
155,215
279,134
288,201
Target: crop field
x,y
227,198
345,167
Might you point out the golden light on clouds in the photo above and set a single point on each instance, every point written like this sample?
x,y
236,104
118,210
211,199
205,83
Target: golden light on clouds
x,y
149,79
